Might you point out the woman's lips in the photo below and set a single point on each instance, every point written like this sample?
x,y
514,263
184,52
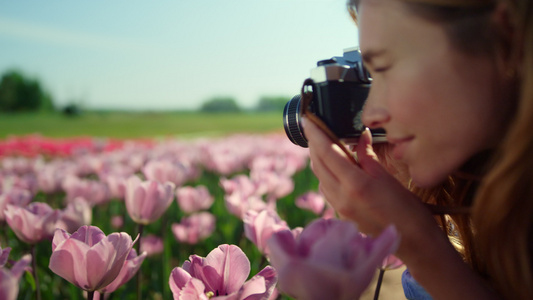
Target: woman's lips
x,y
399,146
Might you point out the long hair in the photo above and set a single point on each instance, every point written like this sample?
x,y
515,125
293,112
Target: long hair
x,y
497,238
503,207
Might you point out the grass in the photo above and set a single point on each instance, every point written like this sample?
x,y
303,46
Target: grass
x,y
125,125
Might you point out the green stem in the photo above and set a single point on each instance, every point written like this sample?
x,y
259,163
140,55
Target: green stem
x,y
36,277
4,236
378,284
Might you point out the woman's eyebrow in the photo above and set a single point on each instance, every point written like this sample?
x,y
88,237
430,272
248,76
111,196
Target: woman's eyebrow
x,y
371,54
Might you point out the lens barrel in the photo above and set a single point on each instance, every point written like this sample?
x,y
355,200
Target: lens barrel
x,y
292,122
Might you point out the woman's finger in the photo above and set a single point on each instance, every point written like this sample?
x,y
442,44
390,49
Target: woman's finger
x,y
321,147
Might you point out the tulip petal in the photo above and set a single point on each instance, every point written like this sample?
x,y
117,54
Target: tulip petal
x,y
193,290
60,236
89,235
9,287
261,285
68,261
128,270
184,286
231,264
106,259
4,254
20,266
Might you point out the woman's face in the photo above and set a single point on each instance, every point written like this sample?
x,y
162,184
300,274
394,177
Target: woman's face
x,y
438,105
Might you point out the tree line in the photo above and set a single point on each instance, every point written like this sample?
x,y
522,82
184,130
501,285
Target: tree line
x,y
19,93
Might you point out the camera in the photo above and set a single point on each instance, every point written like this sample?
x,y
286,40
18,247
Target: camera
x,y
339,87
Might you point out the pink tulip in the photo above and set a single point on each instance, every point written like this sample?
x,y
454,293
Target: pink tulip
x,y
281,161
116,186
4,254
25,182
95,192
221,275
117,221
130,268
147,201
163,171
77,213
330,259
227,156
259,227
193,199
9,279
88,258
272,184
194,228
15,196
33,223
18,165
312,201
51,175
152,245
241,195
391,262
241,184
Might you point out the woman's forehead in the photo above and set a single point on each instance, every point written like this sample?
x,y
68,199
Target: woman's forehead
x,y
389,25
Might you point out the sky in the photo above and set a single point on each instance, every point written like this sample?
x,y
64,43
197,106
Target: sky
x,y
170,55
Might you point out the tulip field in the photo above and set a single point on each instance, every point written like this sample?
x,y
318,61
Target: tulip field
x,y
237,216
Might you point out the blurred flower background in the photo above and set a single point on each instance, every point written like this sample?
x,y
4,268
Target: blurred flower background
x,y
142,154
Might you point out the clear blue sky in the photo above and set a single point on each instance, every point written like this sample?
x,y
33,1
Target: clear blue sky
x,y
157,55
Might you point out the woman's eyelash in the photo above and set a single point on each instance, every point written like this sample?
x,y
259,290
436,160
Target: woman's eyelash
x,y
380,69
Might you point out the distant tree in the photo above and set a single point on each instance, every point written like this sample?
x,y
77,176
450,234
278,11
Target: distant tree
x,y
272,103
18,93
72,110
220,104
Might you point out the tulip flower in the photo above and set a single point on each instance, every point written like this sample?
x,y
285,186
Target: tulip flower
x,y
9,286
77,213
194,228
330,259
147,201
51,175
14,196
4,254
131,266
259,227
312,201
152,245
95,192
88,258
17,165
193,199
116,185
274,185
391,262
221,275
163,171
241,195
33,223
117,221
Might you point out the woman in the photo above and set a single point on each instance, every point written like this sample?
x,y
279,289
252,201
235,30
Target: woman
x,y
453,88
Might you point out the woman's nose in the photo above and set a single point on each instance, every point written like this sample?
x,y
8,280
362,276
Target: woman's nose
x,y
375,114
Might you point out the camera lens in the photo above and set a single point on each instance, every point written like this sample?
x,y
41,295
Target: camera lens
x,y
292,122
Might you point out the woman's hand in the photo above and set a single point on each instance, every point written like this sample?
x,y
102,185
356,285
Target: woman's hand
x,y
365,193
368,194
373,198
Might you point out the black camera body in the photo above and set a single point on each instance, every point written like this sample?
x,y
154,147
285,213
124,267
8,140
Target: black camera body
x,y
340,87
